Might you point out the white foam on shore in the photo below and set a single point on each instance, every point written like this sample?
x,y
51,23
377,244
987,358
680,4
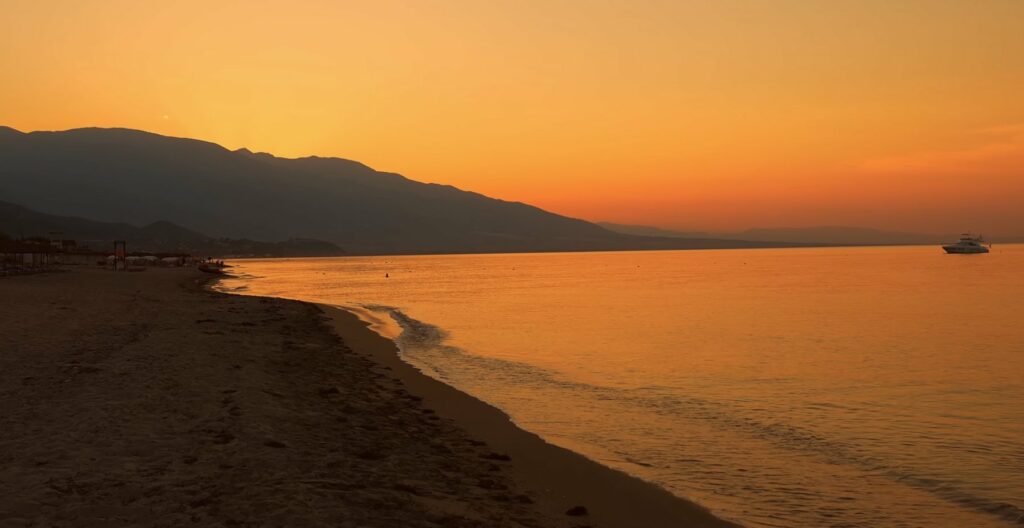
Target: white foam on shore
x,y
383,325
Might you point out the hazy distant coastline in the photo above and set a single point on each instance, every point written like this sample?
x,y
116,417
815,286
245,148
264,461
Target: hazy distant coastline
x,y
130,177
818,235
100,184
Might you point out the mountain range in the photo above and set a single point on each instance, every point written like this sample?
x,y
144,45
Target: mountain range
x,y
137,178
817,235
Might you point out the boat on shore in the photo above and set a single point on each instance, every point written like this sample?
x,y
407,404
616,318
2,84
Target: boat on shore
x,y
967,244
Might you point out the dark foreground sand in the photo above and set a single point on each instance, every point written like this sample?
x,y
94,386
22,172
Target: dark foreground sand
x,y
141,399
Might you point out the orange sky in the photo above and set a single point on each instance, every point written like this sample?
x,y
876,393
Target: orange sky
x,y
703,114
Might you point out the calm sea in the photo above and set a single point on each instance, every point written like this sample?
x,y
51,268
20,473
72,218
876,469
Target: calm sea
x,y
797,387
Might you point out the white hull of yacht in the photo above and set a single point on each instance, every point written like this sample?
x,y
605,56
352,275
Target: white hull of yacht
x,y
965,250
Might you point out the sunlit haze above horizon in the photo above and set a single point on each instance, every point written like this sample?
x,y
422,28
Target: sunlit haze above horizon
x,y
706,115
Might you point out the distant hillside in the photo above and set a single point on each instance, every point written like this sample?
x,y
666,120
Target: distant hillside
x,y
20,222
643,230
858,236
843,235
138,178
820,235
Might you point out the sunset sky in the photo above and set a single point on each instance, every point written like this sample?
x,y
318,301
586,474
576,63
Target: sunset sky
x,y
709,114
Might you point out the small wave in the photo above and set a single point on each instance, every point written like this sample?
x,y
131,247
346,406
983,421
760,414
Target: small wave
x,y
422,339
414,331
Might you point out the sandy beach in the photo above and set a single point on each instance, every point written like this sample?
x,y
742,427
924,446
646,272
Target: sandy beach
x,y
144,399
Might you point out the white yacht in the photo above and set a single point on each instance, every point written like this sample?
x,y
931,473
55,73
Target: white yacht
x,y
967,244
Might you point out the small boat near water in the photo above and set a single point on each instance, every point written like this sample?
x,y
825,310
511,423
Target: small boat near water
x,y
967,244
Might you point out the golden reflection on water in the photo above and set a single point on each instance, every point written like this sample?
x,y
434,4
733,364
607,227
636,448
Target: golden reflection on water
x,y
796,387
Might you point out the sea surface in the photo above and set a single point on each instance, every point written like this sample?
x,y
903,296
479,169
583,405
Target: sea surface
x,y
854,387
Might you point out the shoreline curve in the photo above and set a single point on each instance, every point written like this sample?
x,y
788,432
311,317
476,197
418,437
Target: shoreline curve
x,y
561,478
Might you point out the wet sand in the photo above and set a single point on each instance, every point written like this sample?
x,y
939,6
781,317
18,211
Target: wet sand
x,y
560,478
143,399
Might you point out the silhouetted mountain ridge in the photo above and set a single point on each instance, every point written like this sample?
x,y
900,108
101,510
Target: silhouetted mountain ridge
x,y
645,230
134,177
815,235
844,235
